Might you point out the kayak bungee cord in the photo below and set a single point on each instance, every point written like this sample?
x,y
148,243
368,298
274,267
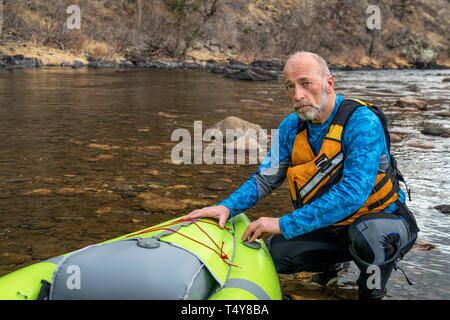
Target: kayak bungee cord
x,y
165,227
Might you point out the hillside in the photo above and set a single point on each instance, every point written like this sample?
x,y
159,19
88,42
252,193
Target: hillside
x,y
412,33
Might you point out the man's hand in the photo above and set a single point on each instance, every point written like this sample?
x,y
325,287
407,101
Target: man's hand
x,y
220,213
257,228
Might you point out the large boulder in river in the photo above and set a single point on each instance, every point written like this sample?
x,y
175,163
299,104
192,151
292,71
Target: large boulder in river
x,y
244,134
240,126
406,102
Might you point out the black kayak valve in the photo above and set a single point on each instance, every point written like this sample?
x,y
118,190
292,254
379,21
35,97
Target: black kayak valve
x,y
253,245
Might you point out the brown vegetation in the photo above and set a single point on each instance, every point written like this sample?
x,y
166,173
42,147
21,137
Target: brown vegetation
x,y
413,32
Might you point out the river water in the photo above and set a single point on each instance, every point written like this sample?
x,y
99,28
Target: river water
x,y
78,146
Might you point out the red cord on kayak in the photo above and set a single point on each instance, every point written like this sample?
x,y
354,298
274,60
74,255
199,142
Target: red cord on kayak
x,y
221,253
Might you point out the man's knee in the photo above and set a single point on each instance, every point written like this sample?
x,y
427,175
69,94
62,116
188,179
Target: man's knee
x,y
377,238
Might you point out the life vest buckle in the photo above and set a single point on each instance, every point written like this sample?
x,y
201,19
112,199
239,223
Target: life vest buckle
x,y
323,163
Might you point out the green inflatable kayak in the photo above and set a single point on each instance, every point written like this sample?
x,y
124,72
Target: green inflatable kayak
x,y
179,259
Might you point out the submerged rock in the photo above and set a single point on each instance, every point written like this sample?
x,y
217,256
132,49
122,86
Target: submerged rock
x,y
413,87
410,102
420,145
443,114
217,186
39,192
154,202
436,131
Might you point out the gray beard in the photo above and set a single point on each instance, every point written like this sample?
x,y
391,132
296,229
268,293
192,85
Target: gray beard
x,y
313,112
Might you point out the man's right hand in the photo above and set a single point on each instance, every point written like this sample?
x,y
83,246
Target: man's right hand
x,y
220,213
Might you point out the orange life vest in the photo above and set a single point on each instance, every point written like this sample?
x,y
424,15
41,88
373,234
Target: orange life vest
x,y
310,175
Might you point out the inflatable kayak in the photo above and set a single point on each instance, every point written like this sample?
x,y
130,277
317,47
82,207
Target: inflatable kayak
x,y
179,259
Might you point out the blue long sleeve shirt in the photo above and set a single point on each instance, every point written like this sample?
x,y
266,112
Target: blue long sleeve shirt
x,y
363,145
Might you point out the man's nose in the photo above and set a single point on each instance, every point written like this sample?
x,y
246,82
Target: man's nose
x,y
300,93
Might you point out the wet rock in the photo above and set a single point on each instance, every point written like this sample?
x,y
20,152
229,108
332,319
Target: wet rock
x,y
38,192
102,211
52,180
446,80
165,115
152,172
69,192
395,138
65,64
207,196
217,186
97,64
179,186
435,106
14,258
271,64
406,102
436,131
19,61
197,203
102,146
77,64
444,208
413,88
17,180
252,75
99,158
154,202
125,63
220,70
443,114
239,126
420,246
105,156
394,108
420,145
206,171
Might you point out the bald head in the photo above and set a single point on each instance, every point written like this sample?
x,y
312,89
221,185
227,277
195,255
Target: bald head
x,y
311,59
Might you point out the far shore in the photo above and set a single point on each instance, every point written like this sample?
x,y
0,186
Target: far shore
x,y
15,55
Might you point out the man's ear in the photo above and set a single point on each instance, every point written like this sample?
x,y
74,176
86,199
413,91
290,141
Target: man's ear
x,y
330,84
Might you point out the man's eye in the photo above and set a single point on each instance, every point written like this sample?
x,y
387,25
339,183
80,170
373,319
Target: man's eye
x,y
290,86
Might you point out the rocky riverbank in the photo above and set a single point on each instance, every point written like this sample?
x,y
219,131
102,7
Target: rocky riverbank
x,y
28,56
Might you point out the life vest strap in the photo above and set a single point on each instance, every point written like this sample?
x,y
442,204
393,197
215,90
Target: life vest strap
x,y
387,175
382,201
